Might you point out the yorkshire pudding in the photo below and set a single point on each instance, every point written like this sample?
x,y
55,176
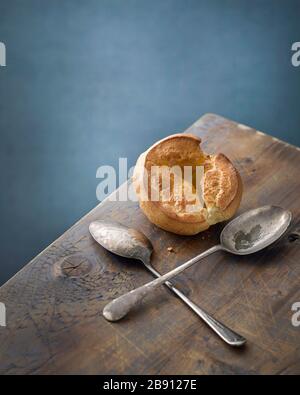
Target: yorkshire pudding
x,y
186,205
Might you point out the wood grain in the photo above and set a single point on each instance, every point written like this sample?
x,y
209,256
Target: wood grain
x,y
54,320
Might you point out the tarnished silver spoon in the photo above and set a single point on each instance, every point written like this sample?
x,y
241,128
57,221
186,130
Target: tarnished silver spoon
x,y
130,243
246,234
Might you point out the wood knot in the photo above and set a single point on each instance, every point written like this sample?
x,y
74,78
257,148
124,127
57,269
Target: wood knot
x,y
75,266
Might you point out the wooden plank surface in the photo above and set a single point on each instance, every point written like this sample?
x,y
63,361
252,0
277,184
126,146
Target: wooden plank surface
x,y
54,321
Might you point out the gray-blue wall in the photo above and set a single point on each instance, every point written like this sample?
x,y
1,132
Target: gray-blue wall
x,y
89,81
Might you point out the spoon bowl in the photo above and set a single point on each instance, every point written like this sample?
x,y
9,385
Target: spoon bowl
x,y
255,229
121,240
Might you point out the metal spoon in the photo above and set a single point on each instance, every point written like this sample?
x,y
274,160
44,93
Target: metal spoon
x,y
130,243
246,234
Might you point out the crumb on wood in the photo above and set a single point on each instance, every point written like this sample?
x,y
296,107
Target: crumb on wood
x,y
170,249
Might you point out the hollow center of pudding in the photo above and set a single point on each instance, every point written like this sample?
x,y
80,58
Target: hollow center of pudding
x,y
180,182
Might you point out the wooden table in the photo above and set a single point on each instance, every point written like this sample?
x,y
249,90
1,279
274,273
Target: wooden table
x,y
54,320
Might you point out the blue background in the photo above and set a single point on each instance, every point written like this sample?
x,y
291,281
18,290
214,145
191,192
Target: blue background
x,y
89,81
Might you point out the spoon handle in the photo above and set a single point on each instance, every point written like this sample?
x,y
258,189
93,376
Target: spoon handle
x,y
228,335
118,308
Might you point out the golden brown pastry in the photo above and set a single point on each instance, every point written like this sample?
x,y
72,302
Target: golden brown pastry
x,y
180,204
